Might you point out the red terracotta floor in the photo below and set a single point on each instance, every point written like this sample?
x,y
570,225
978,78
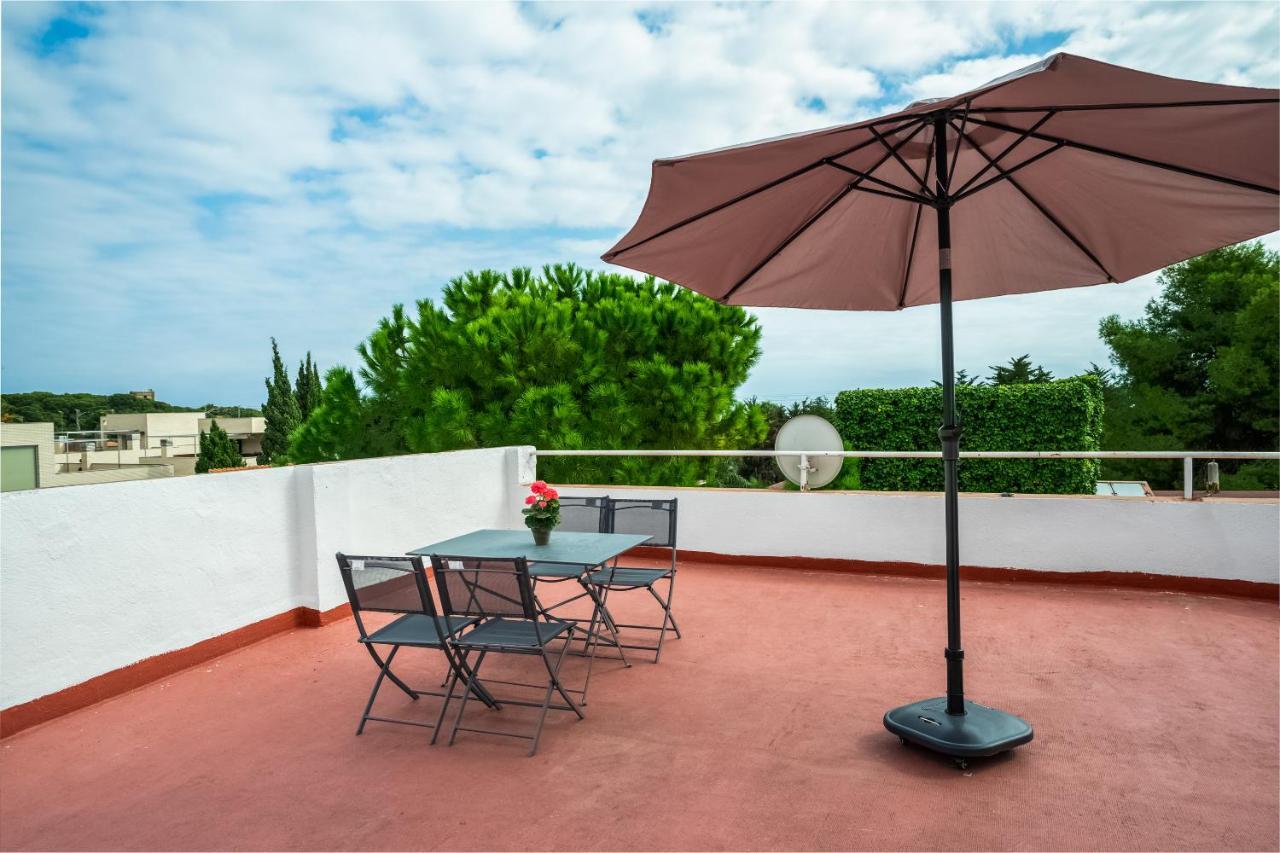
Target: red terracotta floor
x,y
1156,728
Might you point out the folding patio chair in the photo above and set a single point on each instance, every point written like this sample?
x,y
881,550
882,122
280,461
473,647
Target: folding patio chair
x,y
657,518
399,585
500,592
579,515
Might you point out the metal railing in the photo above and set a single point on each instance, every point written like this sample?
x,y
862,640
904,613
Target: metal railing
x,y
1188,457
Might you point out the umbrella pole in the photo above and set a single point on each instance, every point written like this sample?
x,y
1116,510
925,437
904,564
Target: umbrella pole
x,y
949,724
949,434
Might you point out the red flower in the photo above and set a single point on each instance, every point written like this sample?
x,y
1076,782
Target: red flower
x,y
530,499
538,487
542,504
551,494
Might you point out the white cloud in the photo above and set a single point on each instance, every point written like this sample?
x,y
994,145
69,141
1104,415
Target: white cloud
x,y
190,179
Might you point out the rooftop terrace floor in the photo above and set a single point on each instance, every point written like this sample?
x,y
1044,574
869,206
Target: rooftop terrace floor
x,y
1156,728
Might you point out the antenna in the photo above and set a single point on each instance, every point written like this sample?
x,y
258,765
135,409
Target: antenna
x,y
809,432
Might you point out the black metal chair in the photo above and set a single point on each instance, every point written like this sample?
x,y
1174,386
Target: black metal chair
x,y
399,585
500,593
579,515
658,519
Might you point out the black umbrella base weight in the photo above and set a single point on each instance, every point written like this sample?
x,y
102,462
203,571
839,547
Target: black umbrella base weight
x,y
978,732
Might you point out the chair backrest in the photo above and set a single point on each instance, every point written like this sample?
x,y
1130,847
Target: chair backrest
x,y
385,585
584,514
484,586
657,518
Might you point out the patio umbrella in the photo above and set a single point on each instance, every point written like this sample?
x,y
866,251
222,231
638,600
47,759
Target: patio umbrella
x,y
1067,173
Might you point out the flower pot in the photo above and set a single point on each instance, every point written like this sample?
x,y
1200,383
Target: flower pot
x,y
541,535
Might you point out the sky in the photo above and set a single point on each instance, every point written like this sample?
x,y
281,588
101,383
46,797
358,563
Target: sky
x,y
181,182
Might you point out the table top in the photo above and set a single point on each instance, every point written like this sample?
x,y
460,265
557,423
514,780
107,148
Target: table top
x,y
567,547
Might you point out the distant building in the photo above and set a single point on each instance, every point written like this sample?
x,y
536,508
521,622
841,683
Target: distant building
x,y
30,459
176,432
151,440
143,395
26,456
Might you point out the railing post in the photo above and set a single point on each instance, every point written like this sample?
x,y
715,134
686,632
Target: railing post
x,y
1188,484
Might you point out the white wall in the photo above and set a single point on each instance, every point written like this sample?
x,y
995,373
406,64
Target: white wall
x,y
95,578
1221,538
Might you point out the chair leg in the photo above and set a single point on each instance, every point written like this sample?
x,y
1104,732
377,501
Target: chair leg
x,y
466,694
391,675
452,681
671,594
559,685
459,665
613,628
667,617
553,686
384,671
591,659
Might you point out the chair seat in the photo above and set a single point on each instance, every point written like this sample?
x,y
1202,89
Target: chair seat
x,y
511,633
622,576
417,629
555,570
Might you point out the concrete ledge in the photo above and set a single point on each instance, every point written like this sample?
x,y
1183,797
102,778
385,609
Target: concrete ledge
x,y
1126,580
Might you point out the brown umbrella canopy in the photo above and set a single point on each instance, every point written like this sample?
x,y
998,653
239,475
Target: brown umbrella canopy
x,y
1067,173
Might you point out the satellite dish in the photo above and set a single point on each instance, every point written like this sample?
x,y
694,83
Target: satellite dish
x,y
809,432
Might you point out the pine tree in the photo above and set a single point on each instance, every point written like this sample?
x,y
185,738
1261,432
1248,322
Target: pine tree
x,y
336,428
217,450
1019,371
281,411
567,359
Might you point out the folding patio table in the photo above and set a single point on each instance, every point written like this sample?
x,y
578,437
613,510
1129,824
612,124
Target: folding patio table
x,y
588,550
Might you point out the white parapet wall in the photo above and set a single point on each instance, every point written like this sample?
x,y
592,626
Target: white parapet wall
x,y
1220,539
95,578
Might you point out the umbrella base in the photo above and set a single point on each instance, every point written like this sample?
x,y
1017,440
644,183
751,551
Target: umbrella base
x,y
979,731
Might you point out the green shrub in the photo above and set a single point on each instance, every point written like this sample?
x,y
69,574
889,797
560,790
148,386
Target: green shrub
x,y
1061,415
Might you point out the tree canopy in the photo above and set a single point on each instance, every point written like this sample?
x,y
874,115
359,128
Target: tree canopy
x,y
567,359
1019,371
62,409
217,450
1198,371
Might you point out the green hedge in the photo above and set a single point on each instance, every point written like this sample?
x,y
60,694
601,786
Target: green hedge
x,y
1061,415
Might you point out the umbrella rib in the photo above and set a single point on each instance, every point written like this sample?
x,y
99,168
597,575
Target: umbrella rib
x,y
924,189
915,231
911,254
853,185
1066,232
955,160
1133,158
900,192
750,193
1129,106
1022,137
1004,174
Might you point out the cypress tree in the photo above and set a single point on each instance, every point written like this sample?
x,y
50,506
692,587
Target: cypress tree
x,y
217,450
281,411
307,388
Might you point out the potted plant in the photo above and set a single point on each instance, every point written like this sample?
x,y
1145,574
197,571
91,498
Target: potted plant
x,y
542,511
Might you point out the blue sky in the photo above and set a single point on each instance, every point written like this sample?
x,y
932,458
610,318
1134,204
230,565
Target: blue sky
x,y
181,182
